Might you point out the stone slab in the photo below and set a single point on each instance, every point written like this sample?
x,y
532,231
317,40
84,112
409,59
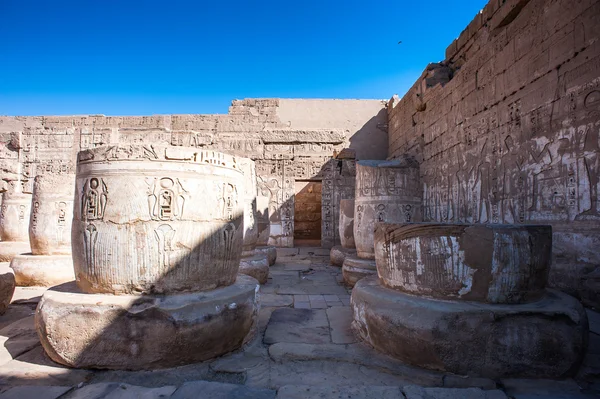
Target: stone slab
x,y
218,390
313,251
539,388
340,320
34,392
17,338
276,300
548,337
350,392
42,270
358,354
145,332
28,295
113,390
297,326
417,392
9,249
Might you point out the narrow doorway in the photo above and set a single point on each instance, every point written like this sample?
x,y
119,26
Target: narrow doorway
x,y
307,214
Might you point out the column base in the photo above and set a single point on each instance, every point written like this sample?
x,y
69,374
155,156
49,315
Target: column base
x,y
7,286
271,252
542,339
9,249
339,253
355,269
42,270
256,265
140,332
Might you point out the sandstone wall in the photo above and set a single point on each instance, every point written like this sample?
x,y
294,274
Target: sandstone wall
x,y
507,129
289,140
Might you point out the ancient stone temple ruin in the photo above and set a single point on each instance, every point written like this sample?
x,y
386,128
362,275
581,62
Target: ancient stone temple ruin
x,y
442,244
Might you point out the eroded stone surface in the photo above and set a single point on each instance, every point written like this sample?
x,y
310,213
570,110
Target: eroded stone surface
x,y
136,228
219,390
485,263
338,254
42,270
143,332
256,266
14,215
297,325
355,268
386,191
7,286
270,251
545,338
346,226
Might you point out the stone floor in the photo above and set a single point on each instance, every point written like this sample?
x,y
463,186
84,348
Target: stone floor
x,y
304,349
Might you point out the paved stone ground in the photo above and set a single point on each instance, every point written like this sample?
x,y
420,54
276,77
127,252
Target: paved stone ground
x,y
304,349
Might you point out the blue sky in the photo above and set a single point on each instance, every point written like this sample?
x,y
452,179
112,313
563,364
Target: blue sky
x,y
123,57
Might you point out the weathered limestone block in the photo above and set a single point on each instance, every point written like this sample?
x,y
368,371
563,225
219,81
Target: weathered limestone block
x,y
338,254
484,263
386,191
151,219
7,286
546,338
264,229
347,223
253,263
50,262
14,224
144,332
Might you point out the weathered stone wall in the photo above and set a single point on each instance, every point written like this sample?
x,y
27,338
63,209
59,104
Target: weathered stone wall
x,y
307,210
289,140
506,129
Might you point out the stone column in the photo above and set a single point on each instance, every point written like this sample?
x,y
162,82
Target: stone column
x,y
50,262
157,240
264,229
253,263
386,191
480,295
346,230
14,223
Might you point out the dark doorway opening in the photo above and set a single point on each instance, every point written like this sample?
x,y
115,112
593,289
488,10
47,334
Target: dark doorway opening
x,y
307,213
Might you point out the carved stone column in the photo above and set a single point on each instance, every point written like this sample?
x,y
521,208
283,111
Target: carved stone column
x,y
386,191
14,223
479,294
346,230
157,239
253,263
264,229
50,262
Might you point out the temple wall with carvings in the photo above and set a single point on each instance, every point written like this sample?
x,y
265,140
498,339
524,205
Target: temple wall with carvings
x,y
289,139
507,129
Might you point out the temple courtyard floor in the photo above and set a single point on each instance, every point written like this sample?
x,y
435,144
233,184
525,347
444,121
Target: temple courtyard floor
x,y
304,348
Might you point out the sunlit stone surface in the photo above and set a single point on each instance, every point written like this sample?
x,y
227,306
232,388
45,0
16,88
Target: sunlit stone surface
x,y
14,223
50,261
160,227
339,253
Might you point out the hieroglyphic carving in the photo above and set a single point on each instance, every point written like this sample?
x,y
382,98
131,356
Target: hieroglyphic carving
x,y
338,183
165,235
166,198
90,236
93,199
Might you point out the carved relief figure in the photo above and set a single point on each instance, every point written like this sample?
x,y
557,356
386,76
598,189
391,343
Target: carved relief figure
x,y
166,199
93,199
165,235
61,222
90,236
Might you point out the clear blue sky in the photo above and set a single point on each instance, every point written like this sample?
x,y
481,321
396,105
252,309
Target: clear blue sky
x,y
125,57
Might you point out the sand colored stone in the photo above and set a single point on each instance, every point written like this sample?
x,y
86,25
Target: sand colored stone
x,y
346,225
145,332
338,254
50,262
14,223
137,225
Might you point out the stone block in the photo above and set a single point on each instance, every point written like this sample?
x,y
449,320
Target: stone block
x,y
145,332
42,270
548,337
7,286
356,268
